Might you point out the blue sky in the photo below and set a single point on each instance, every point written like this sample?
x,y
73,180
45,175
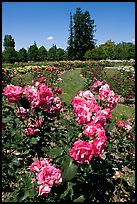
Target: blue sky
x,y
47,23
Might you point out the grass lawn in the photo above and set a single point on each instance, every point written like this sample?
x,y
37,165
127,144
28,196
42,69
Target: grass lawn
x,y
123,112
111,71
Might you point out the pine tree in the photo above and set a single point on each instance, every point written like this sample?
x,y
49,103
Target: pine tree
x,y
70,48
81,35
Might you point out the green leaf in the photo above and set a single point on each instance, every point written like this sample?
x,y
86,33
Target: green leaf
x,y
111,126
132,180
25,196
34,140
70,169
6,120
79,199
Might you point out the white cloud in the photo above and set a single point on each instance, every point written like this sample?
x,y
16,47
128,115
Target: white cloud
x,y
50,38
133,40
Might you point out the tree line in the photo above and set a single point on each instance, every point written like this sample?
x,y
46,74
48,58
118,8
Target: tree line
x,y
81,45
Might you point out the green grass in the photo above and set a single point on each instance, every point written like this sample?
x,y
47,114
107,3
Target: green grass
x,y
71,84
111,72
123,112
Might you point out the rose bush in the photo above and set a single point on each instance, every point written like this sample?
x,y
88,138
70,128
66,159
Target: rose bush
x,y
57,153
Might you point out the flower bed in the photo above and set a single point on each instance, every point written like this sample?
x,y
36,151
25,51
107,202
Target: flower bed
x,y
58,153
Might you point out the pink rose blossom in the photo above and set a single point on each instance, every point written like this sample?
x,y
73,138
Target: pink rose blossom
x,y
108,96
11,75
104,92
45,96
57,104
30,131
58,90
42,79
121,123
30,93
102,116
13,93
96,85
124,125
43,189
37,165
92,129
81,152
21,112
99,144
48,175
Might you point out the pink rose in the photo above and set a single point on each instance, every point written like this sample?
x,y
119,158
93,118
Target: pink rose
x,y
58,90
92,129
121,123
30,131
42,79
81,152
48,175
43,189
13,93
45,96
99,144
11,75
37,165
96,85
21,112
30,93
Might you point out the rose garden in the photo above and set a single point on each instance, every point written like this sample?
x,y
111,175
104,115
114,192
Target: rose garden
x,y
68,139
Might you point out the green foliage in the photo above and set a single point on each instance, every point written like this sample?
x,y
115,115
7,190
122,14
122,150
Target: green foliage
x,y
9,55
8,42
33,52
110,50
81,34
42,53
22,55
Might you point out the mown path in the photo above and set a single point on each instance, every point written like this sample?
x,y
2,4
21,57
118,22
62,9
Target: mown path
x,y
71,83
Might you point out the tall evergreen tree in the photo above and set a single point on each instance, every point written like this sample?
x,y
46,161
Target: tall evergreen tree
x,y
70,48
82,38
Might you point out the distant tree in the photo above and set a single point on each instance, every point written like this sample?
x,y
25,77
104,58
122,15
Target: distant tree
x,y
22,55
8,42
60,54
97,53
42,53
109,48
83,30
9,55
121,51
51,54
131,51
33,52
